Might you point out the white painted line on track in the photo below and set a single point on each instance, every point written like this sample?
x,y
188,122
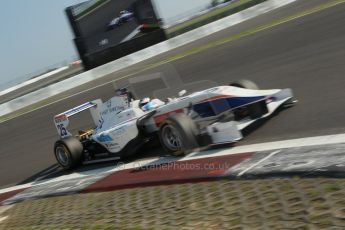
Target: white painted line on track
x,y
17,187
268,146
84,174
132,35
3,218
5,208
2,210
257,163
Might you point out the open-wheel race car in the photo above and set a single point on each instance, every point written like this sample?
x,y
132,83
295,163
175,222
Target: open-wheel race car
x,y
124,16
123,124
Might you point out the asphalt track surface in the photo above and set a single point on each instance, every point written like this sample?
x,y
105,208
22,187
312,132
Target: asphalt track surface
x,y
306,54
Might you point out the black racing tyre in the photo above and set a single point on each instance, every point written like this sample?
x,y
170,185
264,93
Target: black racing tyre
x,y
178,135
246,84
68,152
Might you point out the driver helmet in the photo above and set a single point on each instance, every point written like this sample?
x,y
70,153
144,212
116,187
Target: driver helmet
x,y
144,101
149,106
120,92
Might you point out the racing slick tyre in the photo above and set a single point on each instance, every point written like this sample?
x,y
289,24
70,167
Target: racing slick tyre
x,y
246,84
178,135
68,152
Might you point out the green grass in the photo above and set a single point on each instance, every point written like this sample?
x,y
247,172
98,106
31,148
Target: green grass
x,y
332,188
198,209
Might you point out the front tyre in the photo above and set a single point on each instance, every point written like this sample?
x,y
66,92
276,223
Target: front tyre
x,y
246,84
68,152
178,135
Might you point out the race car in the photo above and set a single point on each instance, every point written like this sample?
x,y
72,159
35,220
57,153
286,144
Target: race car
x,y
124,16
123,124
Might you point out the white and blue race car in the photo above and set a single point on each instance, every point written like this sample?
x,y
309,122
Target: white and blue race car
x,y
123,124
124,16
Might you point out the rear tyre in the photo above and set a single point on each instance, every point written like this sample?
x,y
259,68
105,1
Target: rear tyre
x,y
68,152
246,84
178,135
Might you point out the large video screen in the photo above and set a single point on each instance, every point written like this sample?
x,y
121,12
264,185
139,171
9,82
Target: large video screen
x,y
101,24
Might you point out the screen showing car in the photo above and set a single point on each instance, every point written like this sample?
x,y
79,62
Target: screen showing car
x,y
101,24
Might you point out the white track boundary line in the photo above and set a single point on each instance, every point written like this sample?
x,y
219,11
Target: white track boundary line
x,y
257,163
268,146
2,210
14,188
5,208
132,35
3,218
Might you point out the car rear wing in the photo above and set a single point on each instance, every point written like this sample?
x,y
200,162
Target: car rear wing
x,y
61,120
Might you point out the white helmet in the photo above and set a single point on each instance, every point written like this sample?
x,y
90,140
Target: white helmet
x,y
144,101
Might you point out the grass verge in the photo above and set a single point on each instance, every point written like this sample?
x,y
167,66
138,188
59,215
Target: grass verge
x,y
240,204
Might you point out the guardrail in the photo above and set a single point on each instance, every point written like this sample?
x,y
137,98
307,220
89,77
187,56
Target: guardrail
x,y
99,72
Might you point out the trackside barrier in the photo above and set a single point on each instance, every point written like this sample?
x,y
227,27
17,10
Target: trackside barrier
x,y
214,17
99,72
33,80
